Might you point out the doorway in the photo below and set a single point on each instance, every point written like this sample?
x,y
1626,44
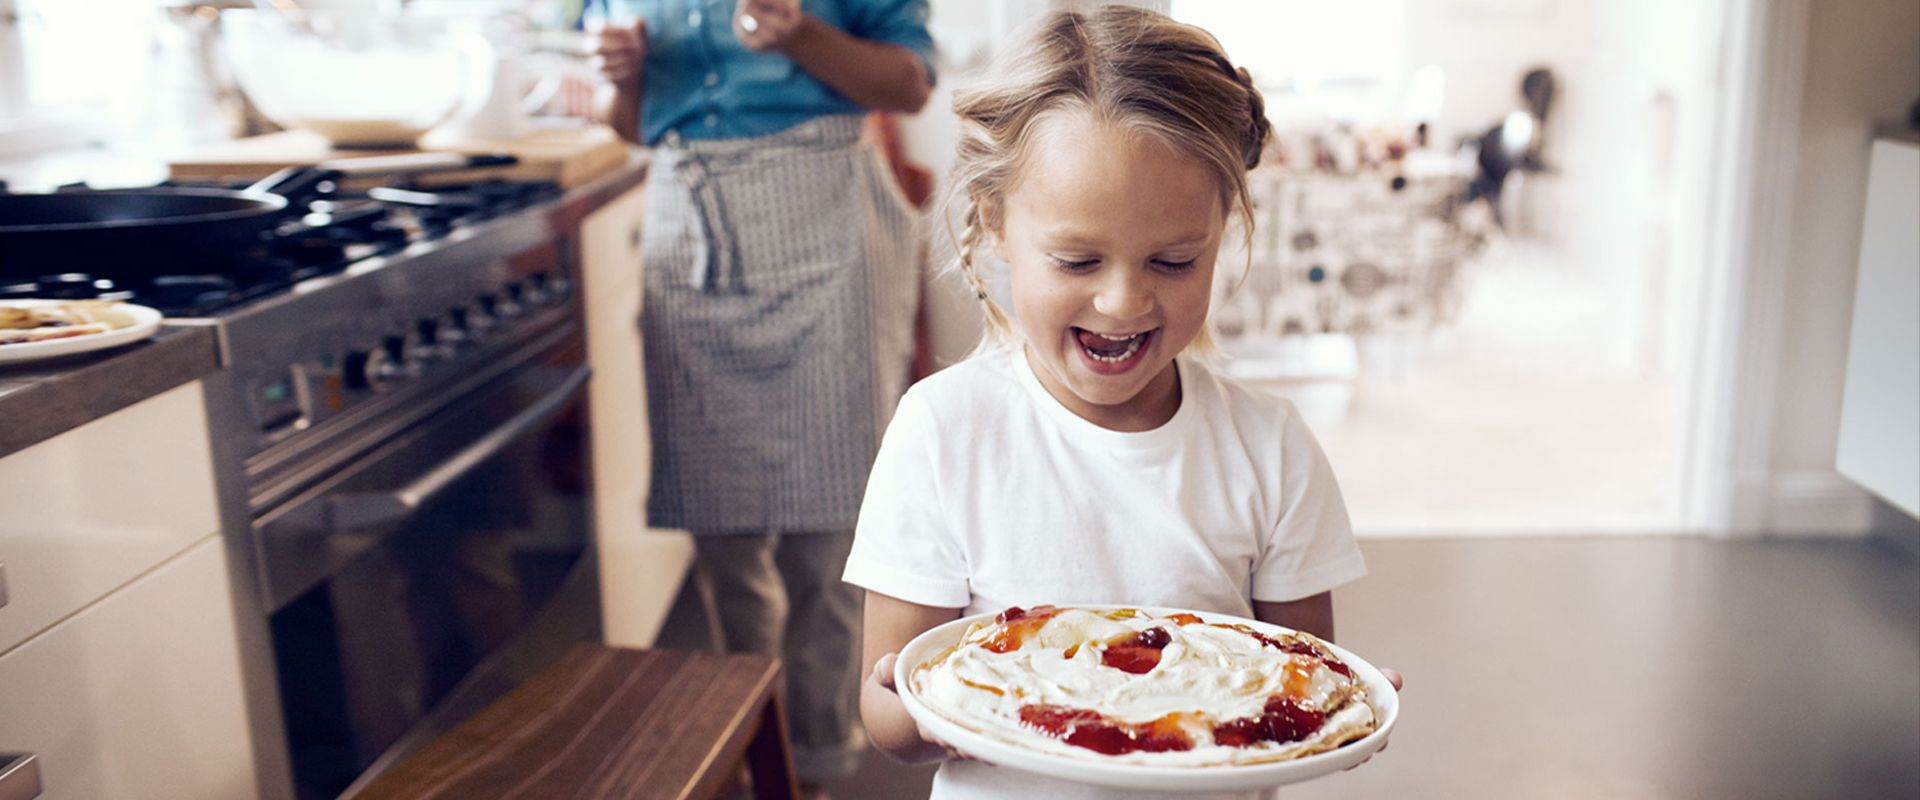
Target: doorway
x,y
1532,380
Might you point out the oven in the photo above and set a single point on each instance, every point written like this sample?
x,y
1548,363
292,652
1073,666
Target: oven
x,y
404,474
439,531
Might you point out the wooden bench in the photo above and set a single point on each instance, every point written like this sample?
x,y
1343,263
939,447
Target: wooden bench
x,y
606,722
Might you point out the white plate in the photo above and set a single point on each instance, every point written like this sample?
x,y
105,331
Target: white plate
x,y
1225,778
140,323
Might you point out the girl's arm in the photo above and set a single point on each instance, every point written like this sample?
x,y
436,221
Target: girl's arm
x,y
890,624
1311,614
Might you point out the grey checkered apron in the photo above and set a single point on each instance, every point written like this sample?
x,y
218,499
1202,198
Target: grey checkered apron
x,y
780,281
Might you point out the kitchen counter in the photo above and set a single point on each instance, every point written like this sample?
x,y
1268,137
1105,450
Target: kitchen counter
x,y
43,399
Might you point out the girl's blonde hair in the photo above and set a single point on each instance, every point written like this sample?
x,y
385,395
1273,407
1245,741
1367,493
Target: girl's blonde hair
x,y
1122,66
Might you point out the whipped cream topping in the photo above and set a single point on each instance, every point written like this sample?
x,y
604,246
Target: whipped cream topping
x,y
1207,674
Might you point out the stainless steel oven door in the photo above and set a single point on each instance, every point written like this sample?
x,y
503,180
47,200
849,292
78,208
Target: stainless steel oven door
x,y
425,556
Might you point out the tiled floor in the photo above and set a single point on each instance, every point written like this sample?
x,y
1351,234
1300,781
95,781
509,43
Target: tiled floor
x,y
1643,668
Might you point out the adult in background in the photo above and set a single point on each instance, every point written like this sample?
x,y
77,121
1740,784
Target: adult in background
x,y
780,281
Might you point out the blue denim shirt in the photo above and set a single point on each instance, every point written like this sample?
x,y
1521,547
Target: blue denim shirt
x,y
704,84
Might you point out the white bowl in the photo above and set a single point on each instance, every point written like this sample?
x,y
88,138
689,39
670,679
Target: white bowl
x,y
1091,769
361,79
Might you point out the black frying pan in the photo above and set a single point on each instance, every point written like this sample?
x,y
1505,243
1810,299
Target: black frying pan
x,y
134,233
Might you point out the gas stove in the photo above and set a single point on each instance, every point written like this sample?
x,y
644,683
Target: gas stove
x,y
329,233
398,448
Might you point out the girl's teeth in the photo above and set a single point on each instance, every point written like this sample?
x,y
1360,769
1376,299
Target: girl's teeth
x,y
1133,346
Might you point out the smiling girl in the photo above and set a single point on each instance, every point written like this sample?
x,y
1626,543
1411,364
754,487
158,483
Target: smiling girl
x,y
1085,454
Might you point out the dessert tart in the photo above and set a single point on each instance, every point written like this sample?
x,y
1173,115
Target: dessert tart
x,y
1126,686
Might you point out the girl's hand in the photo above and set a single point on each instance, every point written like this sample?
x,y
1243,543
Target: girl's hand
x,y
883,675
620,53
1393,677
766,25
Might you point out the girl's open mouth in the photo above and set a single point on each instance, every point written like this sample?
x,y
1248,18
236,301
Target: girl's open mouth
x,y
1111,355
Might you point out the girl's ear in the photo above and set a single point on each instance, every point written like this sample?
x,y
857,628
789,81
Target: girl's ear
x,y
992,226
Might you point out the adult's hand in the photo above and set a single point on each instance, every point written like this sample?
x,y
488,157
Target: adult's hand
x,y
766,25
620,53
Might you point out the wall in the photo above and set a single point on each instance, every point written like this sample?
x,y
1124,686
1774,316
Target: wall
x,y
967,33
1862,67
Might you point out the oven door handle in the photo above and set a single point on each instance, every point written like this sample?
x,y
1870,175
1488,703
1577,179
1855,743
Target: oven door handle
x,y
358,510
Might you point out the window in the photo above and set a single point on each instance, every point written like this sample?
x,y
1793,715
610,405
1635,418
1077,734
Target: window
x,y
64,58
1344,60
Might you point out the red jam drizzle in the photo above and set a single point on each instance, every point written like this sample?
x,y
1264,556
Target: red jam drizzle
x,y
1285,717
1262,638
1138,654
1296,647
1094,731
1017,625
1283,720
1305,649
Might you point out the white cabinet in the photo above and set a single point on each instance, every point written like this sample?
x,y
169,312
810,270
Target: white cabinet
x,y
1880,409
138,695
640,568
90,509
119,666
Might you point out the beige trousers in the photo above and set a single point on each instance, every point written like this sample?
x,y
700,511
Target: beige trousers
x,y
781,595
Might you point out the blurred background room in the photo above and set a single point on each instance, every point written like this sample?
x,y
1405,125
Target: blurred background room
x,y
1603,310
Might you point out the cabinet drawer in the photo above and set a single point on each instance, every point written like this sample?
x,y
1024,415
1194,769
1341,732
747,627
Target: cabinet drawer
x,y
139,695
92,508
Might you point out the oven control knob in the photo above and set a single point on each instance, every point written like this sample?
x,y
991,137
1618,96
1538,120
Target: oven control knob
x,y
471,322
538,291
435,341
453,330
496,308
543,289
366,369
558,287
401,362
508,304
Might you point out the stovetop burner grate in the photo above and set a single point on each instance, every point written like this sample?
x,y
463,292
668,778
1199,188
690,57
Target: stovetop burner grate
x,y
334,230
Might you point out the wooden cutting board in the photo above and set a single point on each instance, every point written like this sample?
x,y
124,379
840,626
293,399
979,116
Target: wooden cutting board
x,y
569,156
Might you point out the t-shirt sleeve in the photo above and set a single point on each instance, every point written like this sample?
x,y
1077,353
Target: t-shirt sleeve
x,y
902,544
1312,549
901,22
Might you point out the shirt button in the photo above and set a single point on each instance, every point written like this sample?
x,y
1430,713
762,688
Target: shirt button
x,y
694,18
712,120
713,78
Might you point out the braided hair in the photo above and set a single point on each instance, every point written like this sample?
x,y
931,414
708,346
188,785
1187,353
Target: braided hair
x,y
1123,66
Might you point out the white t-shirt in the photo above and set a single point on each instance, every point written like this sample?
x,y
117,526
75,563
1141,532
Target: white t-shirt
x,y
988,493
